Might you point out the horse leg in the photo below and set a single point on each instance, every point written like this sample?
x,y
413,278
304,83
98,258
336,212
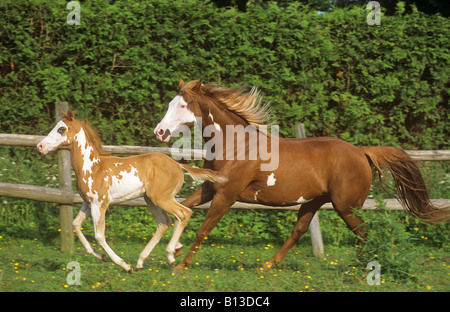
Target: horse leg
x,y
85,212
346,202
202,195
219,206
182,215
98,212
354,223
305,215
348,193
162,224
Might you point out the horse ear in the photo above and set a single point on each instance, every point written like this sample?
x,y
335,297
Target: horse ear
x,y
198,86
181,84
69,115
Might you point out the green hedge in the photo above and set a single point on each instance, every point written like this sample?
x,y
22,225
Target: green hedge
x,y
368,85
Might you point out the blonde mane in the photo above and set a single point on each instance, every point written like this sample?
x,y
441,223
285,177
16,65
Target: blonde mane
x,y
93,136
246,104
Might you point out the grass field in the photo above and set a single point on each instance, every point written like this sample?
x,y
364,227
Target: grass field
x,y
30,265
413,256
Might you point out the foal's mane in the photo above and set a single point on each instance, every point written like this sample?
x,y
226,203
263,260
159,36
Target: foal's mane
x,y
243,102
93,136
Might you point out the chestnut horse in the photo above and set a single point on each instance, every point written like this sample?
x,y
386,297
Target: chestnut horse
x,y
103,180
310,171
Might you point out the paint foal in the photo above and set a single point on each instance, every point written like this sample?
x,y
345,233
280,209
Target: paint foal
x,y
104,179
310,171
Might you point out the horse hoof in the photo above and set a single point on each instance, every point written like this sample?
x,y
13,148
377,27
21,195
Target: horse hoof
x,y
130,270
139,269
178,269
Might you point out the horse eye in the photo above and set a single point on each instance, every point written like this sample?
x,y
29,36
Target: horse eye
x,y
61,130
183,106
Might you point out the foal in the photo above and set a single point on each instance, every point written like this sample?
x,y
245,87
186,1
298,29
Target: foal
x,y
103,180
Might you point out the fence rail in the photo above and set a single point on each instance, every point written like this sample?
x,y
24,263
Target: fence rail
x,y
66,198
58,196
33,140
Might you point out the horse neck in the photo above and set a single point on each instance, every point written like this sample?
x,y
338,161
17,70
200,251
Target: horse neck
x,y
217,119
215,116
85,156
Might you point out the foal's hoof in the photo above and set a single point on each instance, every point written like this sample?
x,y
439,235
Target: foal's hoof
x,y
130,270
179,268
139,269
103,258
178,252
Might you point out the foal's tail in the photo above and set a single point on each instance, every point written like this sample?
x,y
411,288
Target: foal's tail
x,y
204,174
409,184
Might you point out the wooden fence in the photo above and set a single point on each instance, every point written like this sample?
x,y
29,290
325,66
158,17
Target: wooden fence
x,y
66,198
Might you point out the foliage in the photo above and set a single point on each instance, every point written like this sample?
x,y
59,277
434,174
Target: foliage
x,y
390,244
368,85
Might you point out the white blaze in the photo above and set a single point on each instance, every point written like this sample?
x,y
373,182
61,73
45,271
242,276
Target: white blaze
x,y
54,139
177,114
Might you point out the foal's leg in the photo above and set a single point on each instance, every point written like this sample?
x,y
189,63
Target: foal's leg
x,y
305,215
98,215
162,224
202,195
182,214
85,212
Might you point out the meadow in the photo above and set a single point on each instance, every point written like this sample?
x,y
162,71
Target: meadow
x,y
33,265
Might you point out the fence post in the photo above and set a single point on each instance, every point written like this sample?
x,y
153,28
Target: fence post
x,y
65,183
314,227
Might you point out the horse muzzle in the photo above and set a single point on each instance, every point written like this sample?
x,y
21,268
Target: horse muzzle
x,y
163,135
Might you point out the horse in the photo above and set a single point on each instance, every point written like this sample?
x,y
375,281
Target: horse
x,y
309,171
102,179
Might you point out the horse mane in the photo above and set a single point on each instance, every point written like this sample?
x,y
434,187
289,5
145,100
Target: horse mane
x,y
243,102
93,136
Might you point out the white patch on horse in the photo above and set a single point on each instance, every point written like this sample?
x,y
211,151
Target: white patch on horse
x,y
301,200
176,116
54,138
216,125
126,185
86,151
271,179
118,164
90,181
95,204
256,194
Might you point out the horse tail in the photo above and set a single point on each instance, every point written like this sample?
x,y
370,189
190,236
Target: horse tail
x,y
204,174
409,183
